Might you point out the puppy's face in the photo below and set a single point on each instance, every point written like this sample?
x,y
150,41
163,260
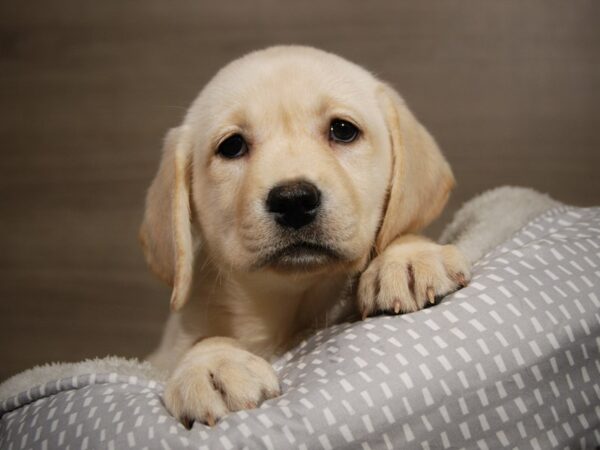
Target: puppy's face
x,y
290,162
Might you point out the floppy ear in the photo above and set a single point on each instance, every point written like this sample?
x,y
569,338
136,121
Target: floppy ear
x,y
166,231
421,178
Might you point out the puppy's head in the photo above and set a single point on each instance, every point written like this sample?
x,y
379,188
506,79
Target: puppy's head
x,y
290,160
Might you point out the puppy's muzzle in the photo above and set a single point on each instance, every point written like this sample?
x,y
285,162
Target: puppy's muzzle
x,y
294,204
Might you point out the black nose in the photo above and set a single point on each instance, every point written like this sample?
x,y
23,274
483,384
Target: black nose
x,y
294,204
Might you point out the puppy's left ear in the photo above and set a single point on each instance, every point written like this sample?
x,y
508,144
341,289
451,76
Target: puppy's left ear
x,y
167,234
421,178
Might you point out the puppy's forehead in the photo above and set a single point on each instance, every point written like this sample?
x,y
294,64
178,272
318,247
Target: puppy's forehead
x,y
282,81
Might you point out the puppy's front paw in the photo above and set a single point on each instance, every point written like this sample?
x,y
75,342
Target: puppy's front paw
x,y
217,377
410,273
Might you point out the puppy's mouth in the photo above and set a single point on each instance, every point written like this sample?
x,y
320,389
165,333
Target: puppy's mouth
x,y
299,256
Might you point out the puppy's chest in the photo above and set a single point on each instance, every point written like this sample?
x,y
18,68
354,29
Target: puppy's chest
x,y
262,330
271,323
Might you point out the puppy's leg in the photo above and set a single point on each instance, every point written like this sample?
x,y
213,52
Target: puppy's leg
x,y
215,377
411,272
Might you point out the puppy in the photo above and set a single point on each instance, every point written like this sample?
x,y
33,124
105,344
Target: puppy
x,y
296,179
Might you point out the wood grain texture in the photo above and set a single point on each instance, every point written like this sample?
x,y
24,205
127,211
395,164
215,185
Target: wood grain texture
x,y
510,89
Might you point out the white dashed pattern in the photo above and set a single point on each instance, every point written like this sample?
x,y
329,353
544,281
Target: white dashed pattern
x,y
513,360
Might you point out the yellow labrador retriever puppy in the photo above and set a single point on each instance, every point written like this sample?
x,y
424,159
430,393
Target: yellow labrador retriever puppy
x,y
297,178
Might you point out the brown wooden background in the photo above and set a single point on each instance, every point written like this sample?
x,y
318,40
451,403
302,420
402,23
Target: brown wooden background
x,y
511,90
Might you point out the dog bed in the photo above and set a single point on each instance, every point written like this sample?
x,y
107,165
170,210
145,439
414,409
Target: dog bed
x,y
512,360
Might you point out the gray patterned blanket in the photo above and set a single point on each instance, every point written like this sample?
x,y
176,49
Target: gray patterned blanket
x,y
513,360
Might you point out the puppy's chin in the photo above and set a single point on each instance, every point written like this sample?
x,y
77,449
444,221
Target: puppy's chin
x,y
300,256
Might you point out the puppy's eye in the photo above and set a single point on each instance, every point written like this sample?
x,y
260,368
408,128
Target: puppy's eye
x,y
342,131
233,147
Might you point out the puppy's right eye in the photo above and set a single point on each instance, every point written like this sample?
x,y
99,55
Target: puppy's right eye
x,y
233,147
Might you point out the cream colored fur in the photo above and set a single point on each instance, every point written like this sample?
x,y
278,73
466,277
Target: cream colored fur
x,y
206,227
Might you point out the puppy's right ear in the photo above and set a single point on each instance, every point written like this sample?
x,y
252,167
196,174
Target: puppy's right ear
x,y
166,232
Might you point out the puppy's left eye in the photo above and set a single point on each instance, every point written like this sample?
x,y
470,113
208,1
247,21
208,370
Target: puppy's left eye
x,y
342,131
